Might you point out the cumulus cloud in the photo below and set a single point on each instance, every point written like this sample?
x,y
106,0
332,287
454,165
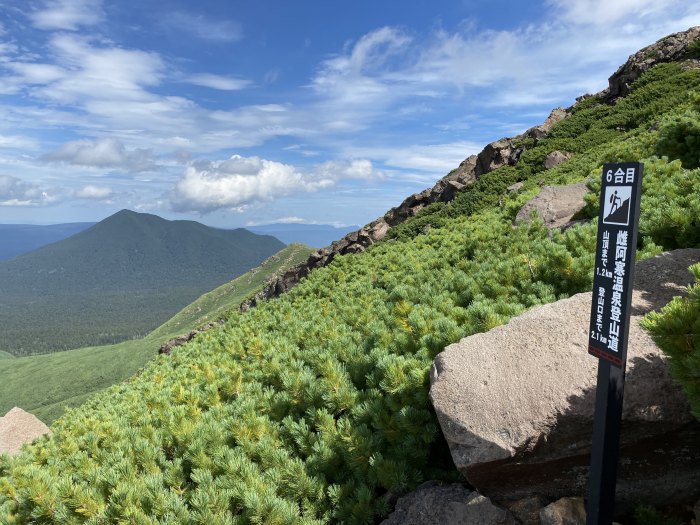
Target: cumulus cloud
x,y
91,192
239,181
106,152
68,14
16,192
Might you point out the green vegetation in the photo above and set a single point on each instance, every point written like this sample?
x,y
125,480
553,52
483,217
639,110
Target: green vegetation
x,y
5,355
215,304
647,515
46,384
680,136
676,329
694,49
313,408
117,280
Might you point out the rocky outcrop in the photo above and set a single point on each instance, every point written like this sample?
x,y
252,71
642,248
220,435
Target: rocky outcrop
x,y
516,404
18,427
668,49
435,504
555,205
168,346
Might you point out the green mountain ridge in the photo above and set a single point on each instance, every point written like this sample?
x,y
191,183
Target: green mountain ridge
x,y
117,280
313,408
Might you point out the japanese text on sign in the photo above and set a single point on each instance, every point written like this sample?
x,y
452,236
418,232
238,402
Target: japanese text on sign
x,y
619,211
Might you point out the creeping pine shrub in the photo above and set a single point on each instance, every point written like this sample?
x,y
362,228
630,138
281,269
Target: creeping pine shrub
x,y
676,329
680,138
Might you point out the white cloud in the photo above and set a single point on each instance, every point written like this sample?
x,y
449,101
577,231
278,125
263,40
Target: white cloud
x,y
224,83
17,142
604,12
239,181
434,158
94,192
68,14
352,169
202,27
16,192
103,153
207,186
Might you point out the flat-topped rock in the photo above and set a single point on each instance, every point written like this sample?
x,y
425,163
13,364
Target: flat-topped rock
x,y
555,205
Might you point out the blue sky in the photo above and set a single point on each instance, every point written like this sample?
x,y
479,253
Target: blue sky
x,y
239,113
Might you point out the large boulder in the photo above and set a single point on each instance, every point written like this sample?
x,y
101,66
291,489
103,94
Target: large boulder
x,y
516,404
555,205
556,158
18,427
435,504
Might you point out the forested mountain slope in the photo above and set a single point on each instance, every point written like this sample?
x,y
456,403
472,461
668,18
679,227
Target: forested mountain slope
x,y
313,408
45,384
117,280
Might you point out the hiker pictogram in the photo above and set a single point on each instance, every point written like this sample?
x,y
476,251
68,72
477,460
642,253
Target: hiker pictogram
x,y
617,205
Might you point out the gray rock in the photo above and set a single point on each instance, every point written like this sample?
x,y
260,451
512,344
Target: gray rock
x,y
697,512
515,187
516,404
526,510
18,427
435,504
556,158
555,205
670,48
543,129
565,511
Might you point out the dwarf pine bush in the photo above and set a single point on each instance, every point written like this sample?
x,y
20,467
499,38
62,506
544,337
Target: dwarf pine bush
x,y
676,329
313,408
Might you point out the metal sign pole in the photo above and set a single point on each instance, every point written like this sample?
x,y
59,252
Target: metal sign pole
x,y
620,196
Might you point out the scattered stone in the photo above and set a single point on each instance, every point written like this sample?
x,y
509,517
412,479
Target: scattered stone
x,y
167,347
516,404
18,427
555,205
515,187
556,158
526,510
435,504
565,511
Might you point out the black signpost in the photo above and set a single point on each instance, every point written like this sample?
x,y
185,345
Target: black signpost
x,y
610,313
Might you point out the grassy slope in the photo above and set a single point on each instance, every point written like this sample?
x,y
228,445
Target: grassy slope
x,y
313,408
213,305
45,384
5,355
